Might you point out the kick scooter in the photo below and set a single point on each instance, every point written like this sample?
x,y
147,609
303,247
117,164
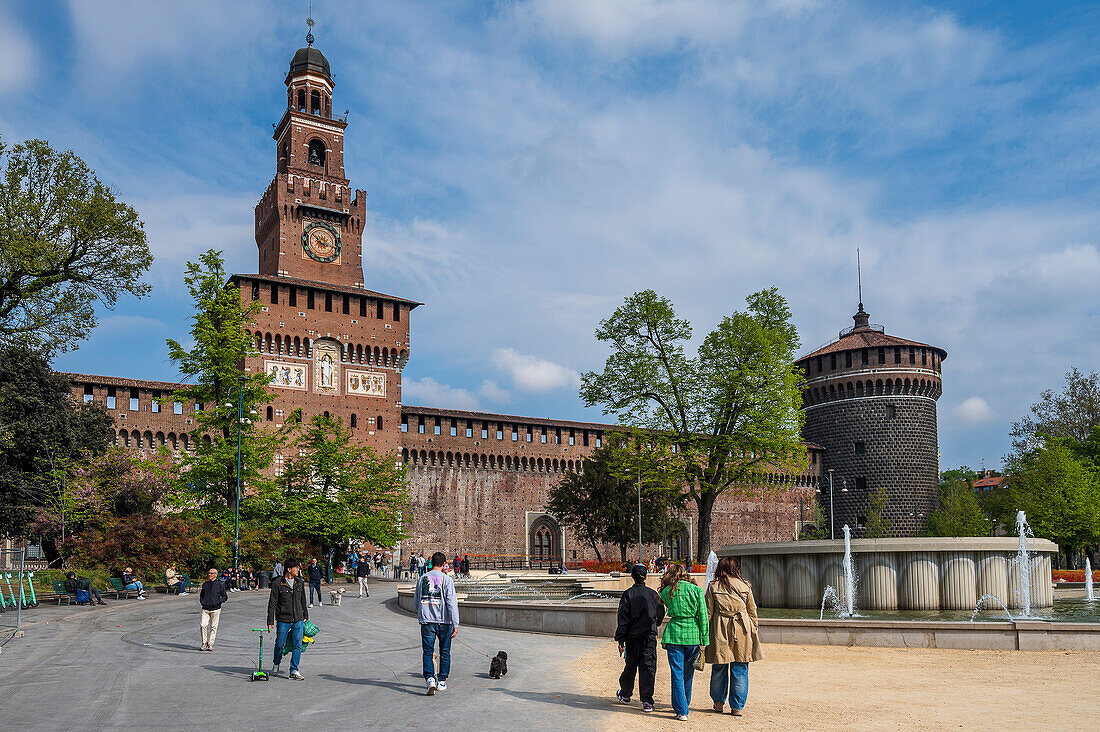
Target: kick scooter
x,y
11,592
259,674
30,586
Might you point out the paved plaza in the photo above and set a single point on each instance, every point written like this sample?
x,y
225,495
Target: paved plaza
x,y
136,665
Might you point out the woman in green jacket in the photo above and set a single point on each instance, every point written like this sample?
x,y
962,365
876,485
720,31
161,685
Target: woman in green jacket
x,y
687,630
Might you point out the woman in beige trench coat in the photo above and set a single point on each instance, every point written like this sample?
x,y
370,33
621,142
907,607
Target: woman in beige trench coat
x,y
734,636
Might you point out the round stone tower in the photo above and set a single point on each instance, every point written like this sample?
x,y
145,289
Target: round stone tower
x,y
870,401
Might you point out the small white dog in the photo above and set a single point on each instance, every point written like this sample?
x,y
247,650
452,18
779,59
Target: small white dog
x,y
336,594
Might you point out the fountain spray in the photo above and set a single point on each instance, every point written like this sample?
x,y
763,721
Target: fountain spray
x,y
849,573
1088,580
1024,562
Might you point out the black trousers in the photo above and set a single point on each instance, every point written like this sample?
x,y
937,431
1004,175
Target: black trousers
x,y
641,658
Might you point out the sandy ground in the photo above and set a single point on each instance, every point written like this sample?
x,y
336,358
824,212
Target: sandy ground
x,y
830,687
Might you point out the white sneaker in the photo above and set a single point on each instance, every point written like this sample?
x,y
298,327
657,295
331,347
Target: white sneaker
x,y
184,593
681,717
432,686
274,670
141,597
442,685
311,604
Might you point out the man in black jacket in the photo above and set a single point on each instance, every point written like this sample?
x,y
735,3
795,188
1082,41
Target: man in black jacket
x,y
640,614
287,607
362,571
211,596
314,571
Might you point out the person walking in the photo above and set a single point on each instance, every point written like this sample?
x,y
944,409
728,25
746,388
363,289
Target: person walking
x,y
412,565
130,582
211,596
422,564
687,630
277,570
286,608
437,611
457,562
362,571
734,636
640,614
465,566
314,581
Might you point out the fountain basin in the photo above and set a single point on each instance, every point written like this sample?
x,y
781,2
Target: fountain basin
x,y
933,573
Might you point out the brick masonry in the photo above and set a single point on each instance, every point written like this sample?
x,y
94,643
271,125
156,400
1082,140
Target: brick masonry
x,y
479,482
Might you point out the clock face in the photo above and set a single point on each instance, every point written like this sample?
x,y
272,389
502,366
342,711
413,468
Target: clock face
x,y
321,241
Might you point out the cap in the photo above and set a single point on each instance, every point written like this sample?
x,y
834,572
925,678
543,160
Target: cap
x,y
639,571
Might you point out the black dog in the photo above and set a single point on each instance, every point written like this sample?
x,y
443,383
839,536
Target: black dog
x,y
498,666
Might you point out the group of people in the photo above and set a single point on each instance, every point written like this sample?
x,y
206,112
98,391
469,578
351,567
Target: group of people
x,y
717,626
419,566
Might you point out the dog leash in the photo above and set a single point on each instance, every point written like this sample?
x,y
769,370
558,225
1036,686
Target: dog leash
x,y
472,648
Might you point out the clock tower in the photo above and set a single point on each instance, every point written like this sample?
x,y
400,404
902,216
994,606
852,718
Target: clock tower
x,y
309,223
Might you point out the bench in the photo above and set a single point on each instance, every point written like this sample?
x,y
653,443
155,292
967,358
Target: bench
x,y
118,588
185,580
62,593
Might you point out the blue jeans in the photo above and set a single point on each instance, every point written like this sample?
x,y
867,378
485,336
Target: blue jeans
x,y
136,586
428,633
296,631
720,675
315,585
680,659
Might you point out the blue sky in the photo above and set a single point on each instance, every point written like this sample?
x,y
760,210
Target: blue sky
x,y
529,164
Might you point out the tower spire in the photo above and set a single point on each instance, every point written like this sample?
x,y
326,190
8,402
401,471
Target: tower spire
x,y
859,279
309,22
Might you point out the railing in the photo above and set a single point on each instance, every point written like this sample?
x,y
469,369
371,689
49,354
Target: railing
x,y
514,563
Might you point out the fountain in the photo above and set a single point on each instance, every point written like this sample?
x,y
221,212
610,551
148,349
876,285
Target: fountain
x,y
830,598
1088,581
982,604
1024,563
849,573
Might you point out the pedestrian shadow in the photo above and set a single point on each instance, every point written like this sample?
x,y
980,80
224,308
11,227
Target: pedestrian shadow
x,y
559,698
395,685
232,670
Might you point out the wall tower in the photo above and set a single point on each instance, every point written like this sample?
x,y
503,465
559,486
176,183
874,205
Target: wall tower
x,y
870,401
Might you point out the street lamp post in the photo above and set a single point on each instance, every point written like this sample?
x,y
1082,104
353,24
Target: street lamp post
x,y
241,422
842,490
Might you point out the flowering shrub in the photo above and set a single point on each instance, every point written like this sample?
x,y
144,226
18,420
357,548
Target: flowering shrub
x,y
1073,575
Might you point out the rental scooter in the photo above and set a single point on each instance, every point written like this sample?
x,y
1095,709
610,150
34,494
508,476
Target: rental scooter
x,y
30,586
11,592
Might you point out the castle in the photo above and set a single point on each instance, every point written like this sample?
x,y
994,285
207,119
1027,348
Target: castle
x,y
479,482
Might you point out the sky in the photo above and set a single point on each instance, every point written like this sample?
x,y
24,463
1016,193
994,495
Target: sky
x,y
530,164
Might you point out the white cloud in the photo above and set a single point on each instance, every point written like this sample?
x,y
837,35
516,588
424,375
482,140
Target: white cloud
x,y
975,410
428,392
16,56
530,373
491,391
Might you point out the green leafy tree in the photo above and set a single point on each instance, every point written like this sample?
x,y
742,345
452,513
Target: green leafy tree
x,y
878,523
42,433
214,363
334,490
66,245
600,503
1059,493
1072,413
728,414
960,512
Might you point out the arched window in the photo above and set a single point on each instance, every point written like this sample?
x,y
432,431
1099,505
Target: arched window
x,y
316,152
315,102
301,100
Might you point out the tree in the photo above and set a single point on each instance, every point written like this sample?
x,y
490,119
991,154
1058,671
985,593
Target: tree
x,y
600,503
42,433
959,512
334,490
1059,493
728,415
66,245
214,362
878,523
1073,413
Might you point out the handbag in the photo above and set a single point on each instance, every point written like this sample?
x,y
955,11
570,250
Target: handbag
x,y
700,659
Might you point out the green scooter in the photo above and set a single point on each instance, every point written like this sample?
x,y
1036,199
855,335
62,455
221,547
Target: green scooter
x,y
3,602
259,674
30,587
11,592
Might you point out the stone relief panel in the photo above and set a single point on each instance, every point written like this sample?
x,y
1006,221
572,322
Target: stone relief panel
x,y
326,367
366,383
286,375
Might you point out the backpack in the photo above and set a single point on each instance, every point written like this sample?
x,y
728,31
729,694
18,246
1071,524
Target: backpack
x,y
82,597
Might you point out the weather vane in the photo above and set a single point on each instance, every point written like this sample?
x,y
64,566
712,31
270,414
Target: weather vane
x,y
309,22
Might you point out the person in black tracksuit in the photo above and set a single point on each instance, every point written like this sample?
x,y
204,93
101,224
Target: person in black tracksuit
x,y
640,614
314,572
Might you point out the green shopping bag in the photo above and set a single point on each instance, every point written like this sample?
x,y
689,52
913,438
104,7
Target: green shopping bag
x,y
309,630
